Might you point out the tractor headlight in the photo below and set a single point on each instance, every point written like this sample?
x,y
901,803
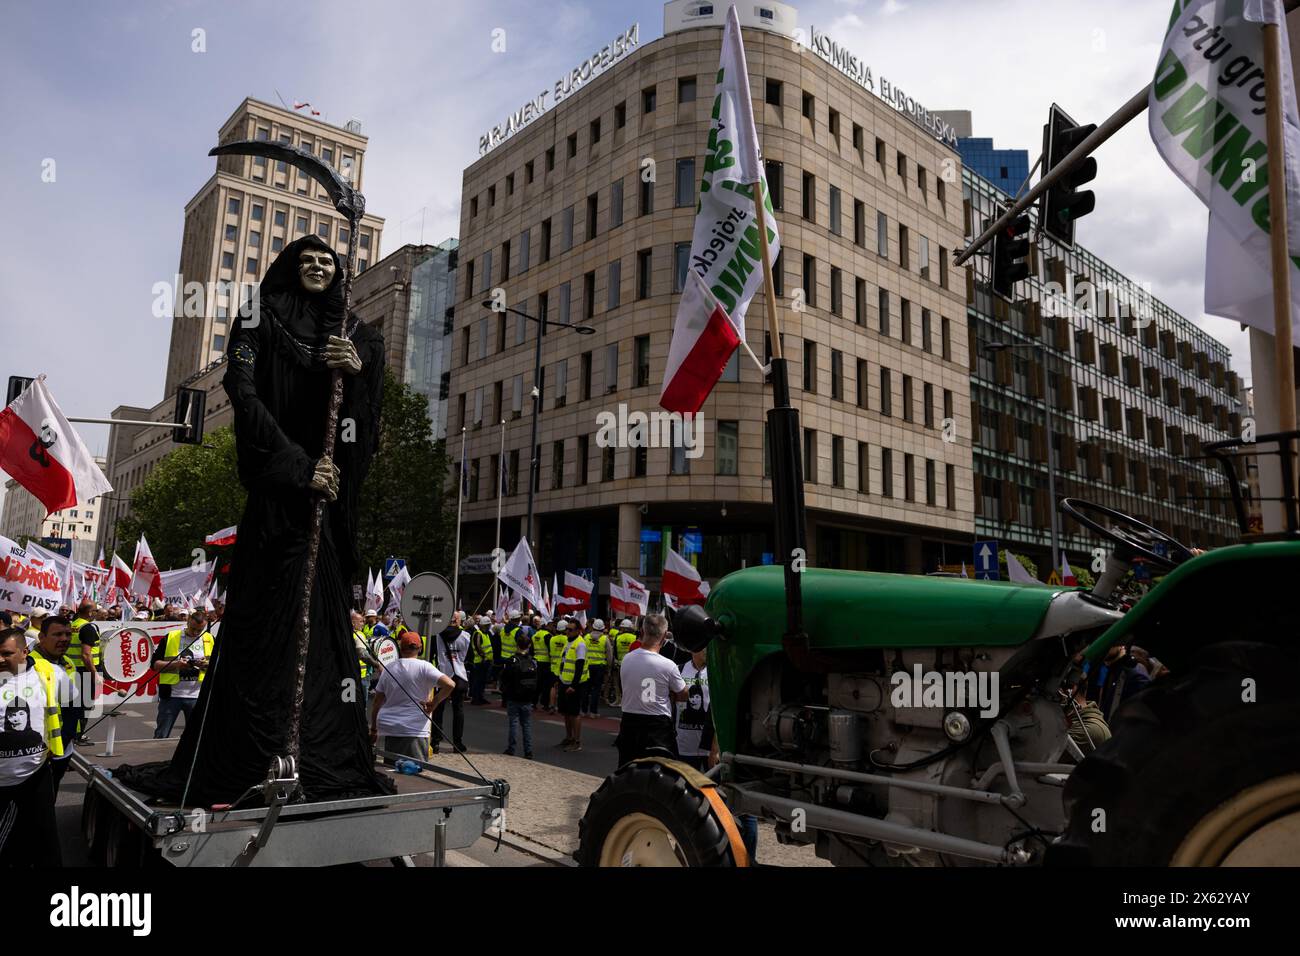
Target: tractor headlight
x,y
957,726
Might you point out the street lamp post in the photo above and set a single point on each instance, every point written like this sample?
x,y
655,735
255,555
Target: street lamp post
x,y
994,348
534,463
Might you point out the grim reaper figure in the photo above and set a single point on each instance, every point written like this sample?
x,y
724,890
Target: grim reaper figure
x,y
278,378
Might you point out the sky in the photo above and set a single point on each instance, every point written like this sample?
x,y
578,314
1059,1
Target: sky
x,y
121,100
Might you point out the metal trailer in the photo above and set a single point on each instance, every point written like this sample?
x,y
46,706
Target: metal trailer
x,y
433,811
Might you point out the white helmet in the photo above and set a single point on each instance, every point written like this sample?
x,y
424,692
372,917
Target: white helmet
x,y
598,625
626,622
484,620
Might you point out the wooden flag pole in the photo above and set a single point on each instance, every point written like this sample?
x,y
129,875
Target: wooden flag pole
x,y
1281,260
769,289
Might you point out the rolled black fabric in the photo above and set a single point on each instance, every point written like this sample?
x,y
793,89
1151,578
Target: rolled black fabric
x,y
279,393
645,735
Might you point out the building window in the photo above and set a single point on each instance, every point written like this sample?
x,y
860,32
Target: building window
x,y
678,463
907,398
905,320
810,456
639,461
550,159
925,330
859,223
648,99
810,281
232,232
566,230
681,262
685,195
924,256
256,214
883,307
835,211
880,151
882,235
611,368
727,449
902,167
931,495
642,364
251,265
593,132
647,197
584,452
565,299
862,383
943,266
557,464
614,281
945,336
616,204
528,171
927,411
886,393
584,374
571,146
643,274
524,250
218,343
809,105
833,124
772,92
837,375
864,469
810,197
589,295
860,302
950,477
810,366
620,115
686,89
492,196
232,206
837,291
592,207
909,492
473,206
837,461
607,463
903,251
505,260
301,224
546,240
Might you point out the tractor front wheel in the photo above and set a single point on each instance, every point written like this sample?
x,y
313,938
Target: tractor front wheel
x,y
653,813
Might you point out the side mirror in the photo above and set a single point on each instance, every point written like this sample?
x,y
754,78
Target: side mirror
x,y
693,629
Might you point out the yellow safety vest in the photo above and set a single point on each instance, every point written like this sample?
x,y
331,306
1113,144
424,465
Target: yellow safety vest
x,y
53,715
541,649
480,646
508,642
622,644
569,662
172,649
67,663
74,647
557,651
360,638
597,649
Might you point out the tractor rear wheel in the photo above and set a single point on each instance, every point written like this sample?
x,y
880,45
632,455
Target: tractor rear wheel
x,y
1203,769
648,814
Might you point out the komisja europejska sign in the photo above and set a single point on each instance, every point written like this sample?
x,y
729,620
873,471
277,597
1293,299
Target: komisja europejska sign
x,y
1207,118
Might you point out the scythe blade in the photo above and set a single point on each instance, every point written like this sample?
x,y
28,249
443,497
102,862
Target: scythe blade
x,y
346,200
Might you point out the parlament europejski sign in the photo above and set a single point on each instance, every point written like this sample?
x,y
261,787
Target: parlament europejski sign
x,y
857,70
565,86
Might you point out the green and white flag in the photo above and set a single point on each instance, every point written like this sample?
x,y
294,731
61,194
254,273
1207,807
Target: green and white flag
x,y
1207,118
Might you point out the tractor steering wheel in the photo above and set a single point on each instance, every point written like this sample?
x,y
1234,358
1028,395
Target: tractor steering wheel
x,y
1131,537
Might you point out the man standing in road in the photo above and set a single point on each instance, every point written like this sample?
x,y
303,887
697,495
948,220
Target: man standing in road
x,y
651,682
30,735
84,651
519,690
572,680
181,661
598,656
480,660
52,646
623,642
452,647
409,691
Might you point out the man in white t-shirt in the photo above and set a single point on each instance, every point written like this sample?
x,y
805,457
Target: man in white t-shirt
x,y
651,683
408,692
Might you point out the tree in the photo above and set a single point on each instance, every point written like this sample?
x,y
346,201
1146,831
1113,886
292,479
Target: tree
x,y
192,492
405,508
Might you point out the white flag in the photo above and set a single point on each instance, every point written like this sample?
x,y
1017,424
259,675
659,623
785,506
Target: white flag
x,y
725,246
1207,118
396,587
520,574
148,579
1016,571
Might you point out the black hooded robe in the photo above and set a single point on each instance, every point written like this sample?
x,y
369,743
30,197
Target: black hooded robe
x,y
279,392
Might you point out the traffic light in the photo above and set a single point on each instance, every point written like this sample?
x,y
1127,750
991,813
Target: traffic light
x,y
17,385
1063,203
1010,255
190,404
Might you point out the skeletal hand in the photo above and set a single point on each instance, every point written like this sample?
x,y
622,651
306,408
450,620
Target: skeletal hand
x,y
325,479
342,354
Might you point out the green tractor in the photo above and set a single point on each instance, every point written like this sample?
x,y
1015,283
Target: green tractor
x,y
890,719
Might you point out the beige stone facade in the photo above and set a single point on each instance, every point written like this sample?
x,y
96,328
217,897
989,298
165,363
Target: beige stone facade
x,y
251,207
588,155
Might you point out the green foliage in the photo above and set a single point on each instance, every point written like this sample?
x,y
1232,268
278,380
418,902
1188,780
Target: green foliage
x,y
405,508
1084,577
190,493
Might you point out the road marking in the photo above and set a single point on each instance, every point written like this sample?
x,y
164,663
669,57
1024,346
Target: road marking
x,y
457,858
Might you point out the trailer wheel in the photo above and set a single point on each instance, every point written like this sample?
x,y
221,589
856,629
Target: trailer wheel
x,y
94,824
650,814
124,844
1195,775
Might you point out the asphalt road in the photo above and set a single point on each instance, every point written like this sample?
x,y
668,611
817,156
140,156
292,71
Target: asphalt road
x,y
485,732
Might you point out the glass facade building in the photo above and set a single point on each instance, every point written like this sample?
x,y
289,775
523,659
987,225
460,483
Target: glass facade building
x,y
1136,389
1007,169
429,331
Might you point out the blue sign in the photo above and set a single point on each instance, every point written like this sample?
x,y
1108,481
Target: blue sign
x,y
769,557
585,573
649,536
1161,548
692,542
392,566
986,561
60,546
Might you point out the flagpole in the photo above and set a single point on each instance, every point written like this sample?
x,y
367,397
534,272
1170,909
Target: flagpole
x,y
783,428
501,495
460,500
1281,260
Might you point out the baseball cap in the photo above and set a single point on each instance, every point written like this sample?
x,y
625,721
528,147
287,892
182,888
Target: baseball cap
x,y
411,639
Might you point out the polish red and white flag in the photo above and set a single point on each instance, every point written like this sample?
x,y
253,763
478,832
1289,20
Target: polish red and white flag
x,y
618,601
1067,573
637,594
147,578
219,539
681,584
576,595
43,453
122,573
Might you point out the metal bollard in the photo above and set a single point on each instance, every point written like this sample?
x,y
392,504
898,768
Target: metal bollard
x,y
112,737
440,843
